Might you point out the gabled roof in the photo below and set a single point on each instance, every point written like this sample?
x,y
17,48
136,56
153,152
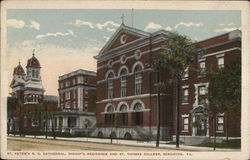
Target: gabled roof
x,y
123,29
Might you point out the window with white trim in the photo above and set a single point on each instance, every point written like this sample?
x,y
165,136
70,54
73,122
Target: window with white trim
x,y
138,79
202,66
220,61
123,75
110,85
80,79
185,124
109,116
68,95
202,91
220,123
185,95
67,83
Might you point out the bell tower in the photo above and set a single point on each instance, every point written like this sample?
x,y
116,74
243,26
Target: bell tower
x,y
34,89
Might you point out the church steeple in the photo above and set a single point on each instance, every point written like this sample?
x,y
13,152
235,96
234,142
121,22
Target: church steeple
x,y
33,67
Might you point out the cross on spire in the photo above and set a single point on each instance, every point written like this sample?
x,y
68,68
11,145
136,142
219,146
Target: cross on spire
x,y
33,52
19,62
122,17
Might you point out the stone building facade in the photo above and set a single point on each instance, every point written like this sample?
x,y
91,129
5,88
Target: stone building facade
x,y
127,95
76,96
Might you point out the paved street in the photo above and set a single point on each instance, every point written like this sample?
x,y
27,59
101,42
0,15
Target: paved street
x,y
95,144
21,144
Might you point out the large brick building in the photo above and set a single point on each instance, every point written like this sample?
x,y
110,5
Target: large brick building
x,y
76,95
219,52
127,95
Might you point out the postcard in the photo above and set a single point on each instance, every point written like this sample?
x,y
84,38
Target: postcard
x,y
125,80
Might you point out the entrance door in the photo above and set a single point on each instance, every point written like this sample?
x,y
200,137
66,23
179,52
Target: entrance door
x,y
201,126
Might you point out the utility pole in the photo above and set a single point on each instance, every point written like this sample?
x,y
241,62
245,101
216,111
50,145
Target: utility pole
x,y
158,108
46,121
177,112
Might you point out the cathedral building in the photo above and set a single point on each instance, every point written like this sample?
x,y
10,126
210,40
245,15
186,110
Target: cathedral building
x,y
127,95
28,89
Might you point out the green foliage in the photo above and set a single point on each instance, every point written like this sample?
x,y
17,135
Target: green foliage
x,y
36,113
225,88
12,104
179,54
236,143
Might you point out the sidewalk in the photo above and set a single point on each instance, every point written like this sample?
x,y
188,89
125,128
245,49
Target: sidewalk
x,y
138,143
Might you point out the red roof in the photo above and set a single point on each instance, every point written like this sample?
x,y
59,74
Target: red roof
x,y
33,62
18,69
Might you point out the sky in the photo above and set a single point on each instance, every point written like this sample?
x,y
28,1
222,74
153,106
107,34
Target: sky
x,y
67,39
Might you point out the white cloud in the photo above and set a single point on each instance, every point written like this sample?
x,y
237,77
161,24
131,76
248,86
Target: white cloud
x,y
108,25
14,23
106,38
225,29
221,24
188,24
35,25
40,36
152,26
79,23
110,29
168,28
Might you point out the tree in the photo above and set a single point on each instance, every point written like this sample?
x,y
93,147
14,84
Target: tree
x,y
224,93
12,105
178,55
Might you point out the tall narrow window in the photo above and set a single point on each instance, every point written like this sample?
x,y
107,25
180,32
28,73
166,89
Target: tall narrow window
x,y
110,85
185,123
220,62
123,115
202,91
137,116
220,123
138,79
109,116
202,68
33,73
123,75
184,95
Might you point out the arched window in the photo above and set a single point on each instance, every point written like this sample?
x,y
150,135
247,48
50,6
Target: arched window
x,y
110,84
138,79
109,116
123,115
137,115
33,73
123,75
